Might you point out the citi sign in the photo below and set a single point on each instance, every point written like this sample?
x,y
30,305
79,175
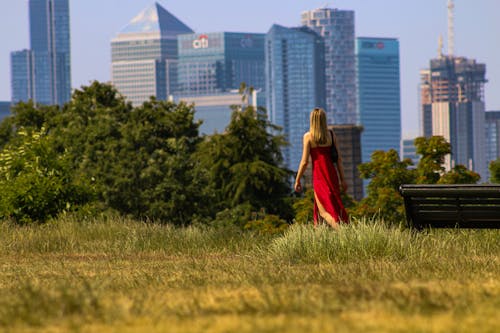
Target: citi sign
x,y
201,42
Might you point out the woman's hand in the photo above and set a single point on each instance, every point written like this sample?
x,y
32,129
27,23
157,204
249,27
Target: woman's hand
x,y
298,186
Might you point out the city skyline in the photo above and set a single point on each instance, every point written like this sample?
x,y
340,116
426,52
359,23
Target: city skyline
x,y
417,26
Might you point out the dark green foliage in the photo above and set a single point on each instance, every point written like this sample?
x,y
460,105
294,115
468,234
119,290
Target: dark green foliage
x,y
495,171
303,207
267,224
144,161
242,165
432,151
459,175
6,131
150,172
36,181
386,173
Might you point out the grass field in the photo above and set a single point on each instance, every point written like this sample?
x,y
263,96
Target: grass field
x,y
117,275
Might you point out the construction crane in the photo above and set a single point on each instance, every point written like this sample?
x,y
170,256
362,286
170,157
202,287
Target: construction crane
x,y
451,29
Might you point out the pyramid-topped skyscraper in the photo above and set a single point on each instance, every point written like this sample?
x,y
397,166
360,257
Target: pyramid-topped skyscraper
x,y
144,55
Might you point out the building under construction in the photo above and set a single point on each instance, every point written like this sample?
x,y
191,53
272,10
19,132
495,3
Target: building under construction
x,y
452,106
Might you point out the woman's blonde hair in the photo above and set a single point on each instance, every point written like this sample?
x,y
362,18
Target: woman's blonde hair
x,y
318,128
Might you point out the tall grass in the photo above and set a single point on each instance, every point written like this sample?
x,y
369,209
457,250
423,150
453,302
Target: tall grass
x,y
367,239
116,274
118,235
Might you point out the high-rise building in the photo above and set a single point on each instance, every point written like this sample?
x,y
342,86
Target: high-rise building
x,y
144,55
295,83
349,144
337,28
215,110
379,97
408,150
218,62
43,73
21,63
492,135
452,106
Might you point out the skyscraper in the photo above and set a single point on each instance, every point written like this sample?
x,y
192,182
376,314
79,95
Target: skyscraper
x,y
337,29
295,83
218,62
492,135
452,106
144,55
409,150
379,98
215,109
43,73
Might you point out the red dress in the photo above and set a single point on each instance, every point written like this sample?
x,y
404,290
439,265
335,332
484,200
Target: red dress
x,y
326,185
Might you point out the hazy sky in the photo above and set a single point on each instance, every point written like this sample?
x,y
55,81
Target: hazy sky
x,y
416,23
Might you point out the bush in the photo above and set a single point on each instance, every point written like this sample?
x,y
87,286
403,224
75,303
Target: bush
x,y
36,181
267,224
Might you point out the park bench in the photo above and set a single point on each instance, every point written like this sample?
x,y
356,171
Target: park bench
x,y
452,206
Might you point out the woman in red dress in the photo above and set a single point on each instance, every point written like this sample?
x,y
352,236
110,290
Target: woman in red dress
x,y
328,177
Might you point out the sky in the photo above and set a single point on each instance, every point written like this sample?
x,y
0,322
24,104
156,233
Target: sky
x,y
417,24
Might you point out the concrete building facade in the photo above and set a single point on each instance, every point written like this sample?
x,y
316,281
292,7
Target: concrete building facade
x,y
144,55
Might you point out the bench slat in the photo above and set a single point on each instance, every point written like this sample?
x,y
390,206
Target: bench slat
x,y
453,201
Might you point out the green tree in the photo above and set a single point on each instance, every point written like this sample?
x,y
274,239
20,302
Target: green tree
x,y
140,158
459,175
433,151
28,116
386,173
243,164
495,171
150,172
36,181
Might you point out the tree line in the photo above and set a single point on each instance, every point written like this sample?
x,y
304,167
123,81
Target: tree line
x,y
98,153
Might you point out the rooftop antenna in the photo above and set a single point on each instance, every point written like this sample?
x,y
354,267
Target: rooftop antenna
x,y
440,47
451,29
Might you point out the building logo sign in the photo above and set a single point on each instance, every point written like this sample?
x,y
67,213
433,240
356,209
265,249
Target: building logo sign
x,y
373,45
246,42
201,42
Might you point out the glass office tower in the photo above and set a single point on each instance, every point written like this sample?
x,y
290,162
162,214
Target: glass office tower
x,y
144,55
295,83
379,97
492,129
43,73
218,62
21,63
337,28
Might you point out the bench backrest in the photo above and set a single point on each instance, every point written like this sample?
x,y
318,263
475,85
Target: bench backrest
x,y
448,206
